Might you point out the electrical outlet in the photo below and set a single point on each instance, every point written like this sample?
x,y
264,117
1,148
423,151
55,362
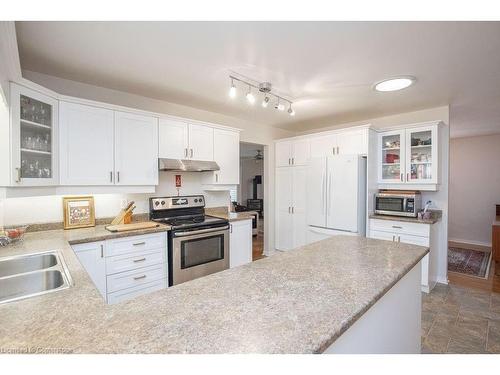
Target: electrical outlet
x,y
123,203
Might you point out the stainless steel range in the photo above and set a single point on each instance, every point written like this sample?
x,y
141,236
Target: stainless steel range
x,y
198,244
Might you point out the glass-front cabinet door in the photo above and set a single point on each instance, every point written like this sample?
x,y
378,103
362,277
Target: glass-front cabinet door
x,y
392,156
34,137
421,155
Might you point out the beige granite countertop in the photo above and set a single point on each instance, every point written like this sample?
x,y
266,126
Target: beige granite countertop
x,y
294,302
223,213
435,217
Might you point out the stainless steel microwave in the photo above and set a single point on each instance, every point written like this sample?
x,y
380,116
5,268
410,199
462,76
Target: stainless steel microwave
x,y
398,203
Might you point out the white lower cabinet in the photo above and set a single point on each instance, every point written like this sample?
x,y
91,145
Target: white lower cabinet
x,y
411,233
125,268
240,243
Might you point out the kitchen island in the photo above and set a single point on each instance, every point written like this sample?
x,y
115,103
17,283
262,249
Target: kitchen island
x,y
343,294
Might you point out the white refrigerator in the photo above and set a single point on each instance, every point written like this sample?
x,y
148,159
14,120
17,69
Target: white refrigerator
x,y
336,196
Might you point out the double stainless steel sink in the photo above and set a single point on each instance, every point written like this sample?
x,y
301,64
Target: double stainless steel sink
x,y
32,275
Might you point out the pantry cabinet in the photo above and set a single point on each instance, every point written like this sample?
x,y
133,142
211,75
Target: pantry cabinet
x,y
105,147
181,140
348,142
291,220
408,156
34,143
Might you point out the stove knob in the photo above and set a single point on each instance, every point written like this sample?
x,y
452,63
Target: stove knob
x,y
195,200
157,203
163,203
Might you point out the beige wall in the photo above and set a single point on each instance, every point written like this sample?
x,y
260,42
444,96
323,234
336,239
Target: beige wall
x,y
474,187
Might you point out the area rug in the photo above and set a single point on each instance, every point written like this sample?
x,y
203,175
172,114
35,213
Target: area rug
x,y
469,262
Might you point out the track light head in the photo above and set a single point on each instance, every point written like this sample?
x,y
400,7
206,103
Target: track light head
x,y
290,111
250,97
265,102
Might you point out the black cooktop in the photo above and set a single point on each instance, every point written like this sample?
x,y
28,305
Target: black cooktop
x,y
192,222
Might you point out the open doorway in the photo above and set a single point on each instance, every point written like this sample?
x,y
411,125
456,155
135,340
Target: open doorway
x,y
249,196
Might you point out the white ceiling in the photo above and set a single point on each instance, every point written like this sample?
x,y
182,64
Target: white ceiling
x,y
326,68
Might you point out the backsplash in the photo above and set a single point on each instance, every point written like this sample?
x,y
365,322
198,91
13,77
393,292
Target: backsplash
x,y
49,209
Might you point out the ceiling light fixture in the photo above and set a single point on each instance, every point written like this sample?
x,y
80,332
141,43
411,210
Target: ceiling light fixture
x,y
265,102
263,87
394,84
232,90
250,97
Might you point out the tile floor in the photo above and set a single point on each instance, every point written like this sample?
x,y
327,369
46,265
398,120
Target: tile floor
x,y
460,320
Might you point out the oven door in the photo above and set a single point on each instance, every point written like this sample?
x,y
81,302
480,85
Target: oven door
x,y
198,253
390,205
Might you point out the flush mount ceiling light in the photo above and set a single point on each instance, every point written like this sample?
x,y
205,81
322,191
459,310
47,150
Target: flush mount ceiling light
x,y
263,87
394,84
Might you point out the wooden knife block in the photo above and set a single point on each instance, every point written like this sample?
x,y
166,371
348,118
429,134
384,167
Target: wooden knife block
x,y
127,219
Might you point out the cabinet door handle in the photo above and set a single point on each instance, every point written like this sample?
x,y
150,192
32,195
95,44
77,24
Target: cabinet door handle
x,y
333,150
401,177
111,176
102,251
139,243
191,153
407,177
140,277
397,227
18,175
399,239
216,177
289,209
185,152
230,228
293,161
118,176
139,260
337,150
293,209
393,238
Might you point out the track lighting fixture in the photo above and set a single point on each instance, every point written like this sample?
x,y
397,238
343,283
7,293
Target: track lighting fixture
x,y
232,90
265,89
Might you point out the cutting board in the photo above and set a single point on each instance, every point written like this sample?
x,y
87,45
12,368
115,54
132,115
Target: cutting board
x,y
134,226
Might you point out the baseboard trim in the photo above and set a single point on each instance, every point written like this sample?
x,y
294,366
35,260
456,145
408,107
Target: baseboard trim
x,y
466,244
441,280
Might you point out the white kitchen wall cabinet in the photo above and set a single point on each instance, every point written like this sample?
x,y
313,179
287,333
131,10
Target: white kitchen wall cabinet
x,y
240,243
291,219
124,268
181,140
34,138
201,142
346,142
292,153
86,145
420,234
136,149
409,156
173,139
227,156
324,145
92,258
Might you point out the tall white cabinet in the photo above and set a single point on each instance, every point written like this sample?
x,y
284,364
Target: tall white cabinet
x,y
291,220
227,156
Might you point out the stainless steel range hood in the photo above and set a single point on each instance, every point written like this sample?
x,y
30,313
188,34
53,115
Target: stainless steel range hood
x,y
186,165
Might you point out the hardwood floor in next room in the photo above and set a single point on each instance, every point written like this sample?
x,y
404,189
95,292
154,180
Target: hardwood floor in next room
x,y
458,320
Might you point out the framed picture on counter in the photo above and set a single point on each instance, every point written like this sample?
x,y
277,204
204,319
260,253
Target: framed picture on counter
x,y
78,212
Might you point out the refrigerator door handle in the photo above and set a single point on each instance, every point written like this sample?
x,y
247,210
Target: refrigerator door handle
x,y
329,193
323,192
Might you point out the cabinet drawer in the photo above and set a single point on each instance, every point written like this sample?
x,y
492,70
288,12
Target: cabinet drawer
x,y
132,261
402,227
130,293
134,278
134,244
397,237
379,235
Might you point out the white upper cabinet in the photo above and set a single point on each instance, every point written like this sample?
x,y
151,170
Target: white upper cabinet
x,y
34,138
136,149
325,145
181,140
292,152
86,145
173,139
352,142
201,142
409,156
227,156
